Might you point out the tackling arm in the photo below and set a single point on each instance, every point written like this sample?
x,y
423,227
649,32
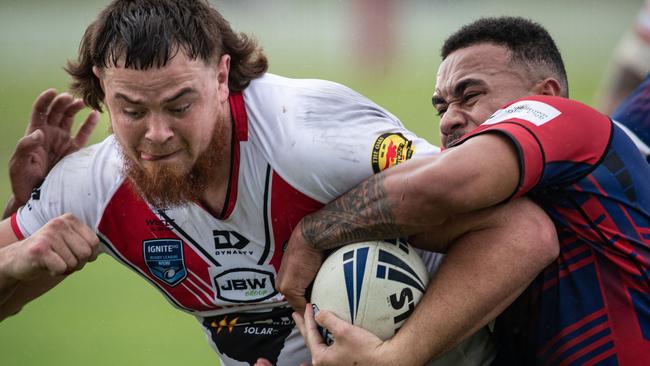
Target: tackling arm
x,y
411,198
495,254
407,200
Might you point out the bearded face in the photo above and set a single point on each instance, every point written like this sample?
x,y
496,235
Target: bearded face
x,y
173,127
167,184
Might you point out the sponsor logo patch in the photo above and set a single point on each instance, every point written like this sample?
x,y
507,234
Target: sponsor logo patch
x,y
247,336
532,111
391,149
229,240
245,285
164,258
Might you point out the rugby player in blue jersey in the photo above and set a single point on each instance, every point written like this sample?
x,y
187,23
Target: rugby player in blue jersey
x,y
510,131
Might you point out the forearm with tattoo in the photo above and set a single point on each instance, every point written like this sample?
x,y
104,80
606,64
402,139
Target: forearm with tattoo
x,y
363,213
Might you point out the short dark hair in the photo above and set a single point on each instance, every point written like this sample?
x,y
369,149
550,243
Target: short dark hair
x,y
149,33
527,41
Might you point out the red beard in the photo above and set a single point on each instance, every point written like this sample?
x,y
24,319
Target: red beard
x,y
168,185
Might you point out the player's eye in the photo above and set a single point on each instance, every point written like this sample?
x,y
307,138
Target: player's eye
x,y
470,96
181,109
134,114
441,111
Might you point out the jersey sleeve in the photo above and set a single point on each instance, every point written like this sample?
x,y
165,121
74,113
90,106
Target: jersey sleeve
x,y
634,117
77,184
326,138
557,140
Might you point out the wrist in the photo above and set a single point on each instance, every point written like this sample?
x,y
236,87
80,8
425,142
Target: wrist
x,y
387,354
8,278
12,206
302,231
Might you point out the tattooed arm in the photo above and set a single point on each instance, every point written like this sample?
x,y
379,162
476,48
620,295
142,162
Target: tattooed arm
x,y
475,282
412,199
450,203
417,195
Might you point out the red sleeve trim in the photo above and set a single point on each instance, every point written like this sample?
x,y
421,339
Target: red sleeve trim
x,y
15,228
529,150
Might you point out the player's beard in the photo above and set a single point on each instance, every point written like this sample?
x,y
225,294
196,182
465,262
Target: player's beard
x,y
169,185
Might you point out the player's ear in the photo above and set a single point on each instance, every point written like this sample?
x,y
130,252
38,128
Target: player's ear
x,y
223,71
548,86
98,74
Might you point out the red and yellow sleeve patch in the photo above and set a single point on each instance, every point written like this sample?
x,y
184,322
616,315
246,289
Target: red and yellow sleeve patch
x,y
391,149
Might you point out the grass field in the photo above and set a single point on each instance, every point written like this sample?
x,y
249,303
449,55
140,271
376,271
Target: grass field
x,y
105,315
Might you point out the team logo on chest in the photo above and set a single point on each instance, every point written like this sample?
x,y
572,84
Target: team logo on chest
x,y
164,258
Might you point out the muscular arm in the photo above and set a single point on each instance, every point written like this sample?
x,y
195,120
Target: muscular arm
x,y
501,251
496,253
412,197
30,267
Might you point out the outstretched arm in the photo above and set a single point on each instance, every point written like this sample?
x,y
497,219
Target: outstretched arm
x,y
30,267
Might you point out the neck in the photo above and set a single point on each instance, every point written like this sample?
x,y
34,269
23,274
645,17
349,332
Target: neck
x,y
215,197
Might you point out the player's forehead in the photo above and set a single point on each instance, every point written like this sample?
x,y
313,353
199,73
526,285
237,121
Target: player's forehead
x,y
481,63
181,72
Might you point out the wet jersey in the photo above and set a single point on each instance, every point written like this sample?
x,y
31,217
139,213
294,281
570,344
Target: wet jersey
x,y
592,306
297,144
634,116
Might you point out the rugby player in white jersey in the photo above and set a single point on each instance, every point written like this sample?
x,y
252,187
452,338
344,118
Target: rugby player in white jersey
x,y
211,164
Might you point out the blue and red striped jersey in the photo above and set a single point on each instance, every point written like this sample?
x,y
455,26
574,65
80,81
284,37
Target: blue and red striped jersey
x,y
592,306
634,115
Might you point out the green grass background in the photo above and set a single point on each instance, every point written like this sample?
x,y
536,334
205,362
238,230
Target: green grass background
x,y
105,315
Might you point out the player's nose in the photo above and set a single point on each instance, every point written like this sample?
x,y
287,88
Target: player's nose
x,y
452,121
159,130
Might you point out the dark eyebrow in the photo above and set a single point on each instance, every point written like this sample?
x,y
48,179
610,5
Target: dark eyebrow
x,y
127,99
460,87
174,97
458,90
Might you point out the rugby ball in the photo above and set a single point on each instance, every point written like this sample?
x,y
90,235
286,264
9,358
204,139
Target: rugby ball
x,y
374,285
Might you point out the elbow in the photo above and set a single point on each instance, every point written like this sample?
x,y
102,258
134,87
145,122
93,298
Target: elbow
x,y
549,244
540,241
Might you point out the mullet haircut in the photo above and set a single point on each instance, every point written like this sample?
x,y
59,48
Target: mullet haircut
x,y
145,34
527,41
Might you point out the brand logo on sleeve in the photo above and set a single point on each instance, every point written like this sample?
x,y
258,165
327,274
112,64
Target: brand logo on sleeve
x,y
164,258
391,149
532,111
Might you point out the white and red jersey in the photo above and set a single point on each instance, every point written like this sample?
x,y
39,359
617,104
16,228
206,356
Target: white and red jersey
x,y
297,144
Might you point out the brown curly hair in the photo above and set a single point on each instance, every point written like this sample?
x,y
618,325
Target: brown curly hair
x,y
148,33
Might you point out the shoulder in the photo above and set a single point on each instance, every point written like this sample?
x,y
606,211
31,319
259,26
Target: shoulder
x,y
539,110
306,98
91,165
320,136
80,184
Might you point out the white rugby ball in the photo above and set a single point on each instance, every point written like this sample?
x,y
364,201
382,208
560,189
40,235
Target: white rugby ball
x,y
374,285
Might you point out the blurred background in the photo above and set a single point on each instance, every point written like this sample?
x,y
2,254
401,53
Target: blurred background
x,y
385,49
